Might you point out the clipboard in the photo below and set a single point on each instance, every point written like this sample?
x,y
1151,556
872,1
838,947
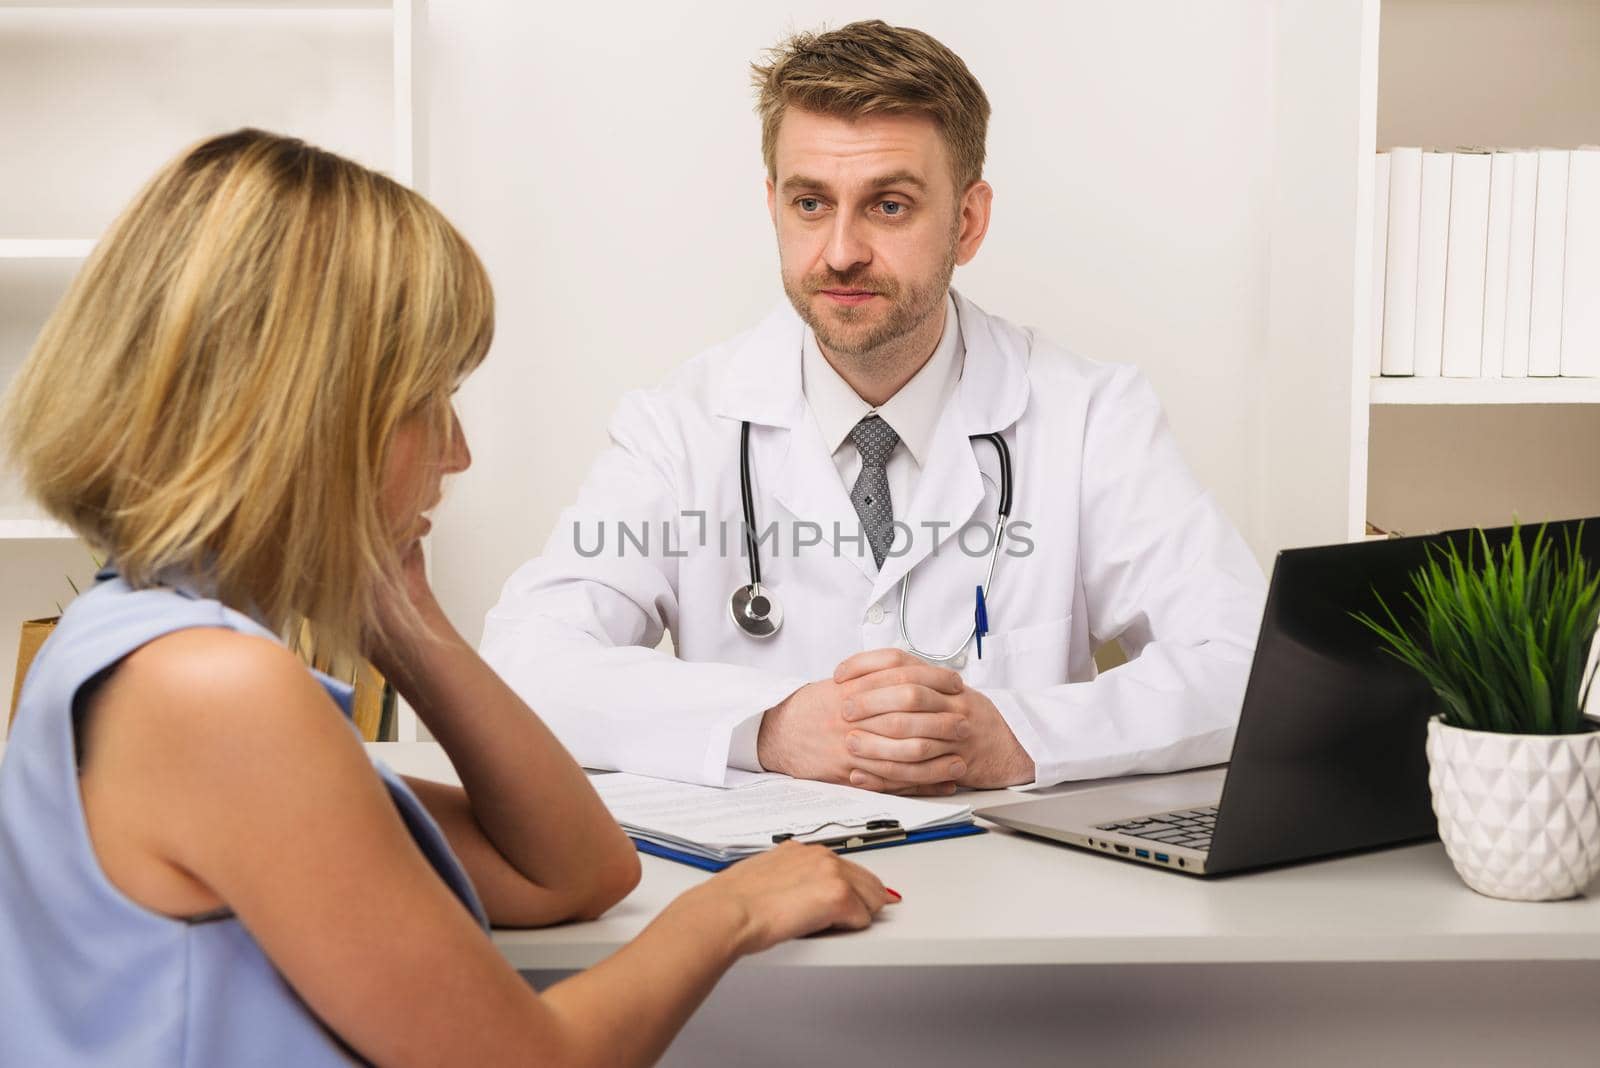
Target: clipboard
x,y
959,830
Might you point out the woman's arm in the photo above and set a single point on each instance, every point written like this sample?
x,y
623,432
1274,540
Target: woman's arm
x,y
215,758
536,840
755,904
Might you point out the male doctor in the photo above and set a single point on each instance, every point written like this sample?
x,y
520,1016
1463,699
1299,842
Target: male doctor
x,y
861,404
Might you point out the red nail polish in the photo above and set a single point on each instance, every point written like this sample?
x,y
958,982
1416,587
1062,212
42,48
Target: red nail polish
x,y
896,893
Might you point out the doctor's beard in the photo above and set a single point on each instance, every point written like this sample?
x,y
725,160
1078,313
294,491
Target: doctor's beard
x,y
865,337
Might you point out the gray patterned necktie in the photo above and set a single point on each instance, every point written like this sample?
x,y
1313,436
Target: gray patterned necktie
x,y
875,440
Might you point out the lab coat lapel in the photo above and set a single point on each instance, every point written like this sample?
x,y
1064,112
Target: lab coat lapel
x,y
762,384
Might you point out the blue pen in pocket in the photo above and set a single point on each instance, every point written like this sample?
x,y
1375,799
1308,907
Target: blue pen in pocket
x,y
980,621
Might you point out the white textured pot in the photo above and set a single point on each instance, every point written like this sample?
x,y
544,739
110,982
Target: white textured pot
x,y
1519,813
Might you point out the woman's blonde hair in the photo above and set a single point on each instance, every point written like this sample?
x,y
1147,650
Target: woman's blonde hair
x,y
216,395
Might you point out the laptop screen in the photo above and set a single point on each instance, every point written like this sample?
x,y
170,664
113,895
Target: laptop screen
x,y
1329,754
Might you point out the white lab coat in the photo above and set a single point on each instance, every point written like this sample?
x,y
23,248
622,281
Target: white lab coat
x,y
1126,545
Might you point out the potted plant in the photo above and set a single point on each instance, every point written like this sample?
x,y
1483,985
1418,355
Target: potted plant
x,y
1514,765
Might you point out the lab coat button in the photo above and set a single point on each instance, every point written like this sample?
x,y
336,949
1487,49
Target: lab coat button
x,y
875,614
959,661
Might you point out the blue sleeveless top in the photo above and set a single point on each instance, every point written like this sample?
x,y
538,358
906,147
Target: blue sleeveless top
x,y
88,976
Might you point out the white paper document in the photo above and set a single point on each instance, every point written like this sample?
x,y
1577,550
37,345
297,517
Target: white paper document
x,y
723,824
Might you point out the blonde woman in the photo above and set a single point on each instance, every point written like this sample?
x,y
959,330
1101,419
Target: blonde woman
x,y
244,402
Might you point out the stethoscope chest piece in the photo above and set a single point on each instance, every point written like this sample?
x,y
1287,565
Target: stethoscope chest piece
x,y
755,611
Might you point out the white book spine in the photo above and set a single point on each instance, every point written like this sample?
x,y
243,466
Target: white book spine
x,y
1580,312
1497,248
1519,263
1464,273
1400,262
1549,261
1433,247
1380,253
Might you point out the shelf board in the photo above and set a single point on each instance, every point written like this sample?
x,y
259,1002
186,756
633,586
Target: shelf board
x,y
1485,391
199,5
34,530
30,248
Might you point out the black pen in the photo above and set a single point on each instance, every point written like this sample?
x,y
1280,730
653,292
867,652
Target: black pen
x,y
875,832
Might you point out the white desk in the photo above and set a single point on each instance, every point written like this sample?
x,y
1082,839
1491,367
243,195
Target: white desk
x,y
1009,949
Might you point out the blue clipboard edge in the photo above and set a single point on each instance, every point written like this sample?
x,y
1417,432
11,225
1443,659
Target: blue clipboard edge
x,y
960,830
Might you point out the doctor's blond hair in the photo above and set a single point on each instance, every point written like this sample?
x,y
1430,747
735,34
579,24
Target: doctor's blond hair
x,y
217,392
869,68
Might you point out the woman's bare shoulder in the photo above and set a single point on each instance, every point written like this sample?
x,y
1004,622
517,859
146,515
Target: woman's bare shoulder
x,y
199,701
192,739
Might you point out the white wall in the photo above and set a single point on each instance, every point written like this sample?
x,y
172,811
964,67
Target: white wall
x,y
605,160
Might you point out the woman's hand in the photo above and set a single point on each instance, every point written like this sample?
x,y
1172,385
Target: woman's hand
x,y
414,575
391,645
796,890
535,839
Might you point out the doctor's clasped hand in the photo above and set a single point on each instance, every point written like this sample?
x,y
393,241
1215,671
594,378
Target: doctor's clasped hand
x,y
890,721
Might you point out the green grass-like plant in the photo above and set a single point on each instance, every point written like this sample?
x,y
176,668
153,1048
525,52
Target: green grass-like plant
x,y
1504,642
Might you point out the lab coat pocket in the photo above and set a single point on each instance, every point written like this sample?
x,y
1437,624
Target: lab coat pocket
x,y
1024,658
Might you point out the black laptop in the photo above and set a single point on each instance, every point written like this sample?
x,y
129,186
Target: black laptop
x,y
1329,755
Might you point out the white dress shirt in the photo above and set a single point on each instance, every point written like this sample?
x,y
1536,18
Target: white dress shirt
x,y
913,411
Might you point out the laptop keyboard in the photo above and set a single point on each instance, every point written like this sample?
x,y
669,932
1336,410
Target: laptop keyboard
x,y
1190,827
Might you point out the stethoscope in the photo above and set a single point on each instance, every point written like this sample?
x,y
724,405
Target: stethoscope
x,y
757,612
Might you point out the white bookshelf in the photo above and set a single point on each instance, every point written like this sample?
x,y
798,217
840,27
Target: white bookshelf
x,y
45,248
1475,391
1452,452
95,95
33,529
1409,453
202,5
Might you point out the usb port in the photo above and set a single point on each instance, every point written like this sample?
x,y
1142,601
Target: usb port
x,y
1122,849
1142,854
1162,857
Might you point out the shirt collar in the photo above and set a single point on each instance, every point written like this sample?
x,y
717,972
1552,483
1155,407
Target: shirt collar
x,y
913,411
